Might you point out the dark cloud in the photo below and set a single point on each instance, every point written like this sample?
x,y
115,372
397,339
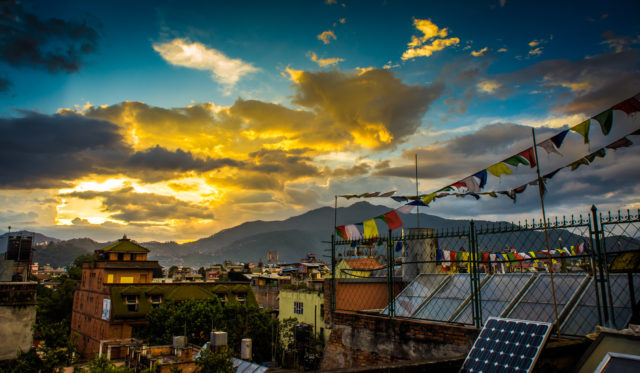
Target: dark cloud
x,y
5,84
51,44
356,170
300,197
617,42
594,83
127,205
289,163
161,159
46,151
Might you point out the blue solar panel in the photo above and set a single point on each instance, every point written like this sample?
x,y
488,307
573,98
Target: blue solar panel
x,y
507,345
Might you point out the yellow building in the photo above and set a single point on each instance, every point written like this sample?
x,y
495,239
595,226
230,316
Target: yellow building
x,y
305,305
356,267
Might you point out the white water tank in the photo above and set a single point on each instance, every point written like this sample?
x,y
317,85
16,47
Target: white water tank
x,y
245,349
218,339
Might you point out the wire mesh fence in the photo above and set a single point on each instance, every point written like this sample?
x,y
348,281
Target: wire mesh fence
x,y
560,272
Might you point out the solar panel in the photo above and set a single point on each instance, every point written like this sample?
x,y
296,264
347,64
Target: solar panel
x,y
497,293
537,302
446,301
507,345
416,293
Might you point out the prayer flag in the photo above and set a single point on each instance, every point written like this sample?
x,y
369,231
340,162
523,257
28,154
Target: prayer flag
x,y
549,147
578,163
387,194
342,232
520,189
551,174
600,153
393,220
529,155
400,199
406,209
417,203
428,198
580,247
453,255
370,228
447,255
471,184
622,143
482,175
559,138
499,169
583,129
630,105
369,195
399,246
352,232
439,255
606,120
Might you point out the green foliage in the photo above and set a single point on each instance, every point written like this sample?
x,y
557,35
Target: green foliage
x,y
202,316
172,271
286,331
25,362
215,362
103,365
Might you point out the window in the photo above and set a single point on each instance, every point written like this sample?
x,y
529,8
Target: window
x,y
156,300
242,297
132,302
120,256
298,308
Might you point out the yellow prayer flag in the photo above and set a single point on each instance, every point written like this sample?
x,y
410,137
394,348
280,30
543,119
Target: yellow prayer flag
x,y
428,198
583,129
370,228
499,169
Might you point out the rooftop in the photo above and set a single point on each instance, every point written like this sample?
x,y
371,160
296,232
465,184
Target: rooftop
x,y
124,245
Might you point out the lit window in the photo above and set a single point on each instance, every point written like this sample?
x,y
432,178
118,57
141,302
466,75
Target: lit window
x,y
298,308
132,302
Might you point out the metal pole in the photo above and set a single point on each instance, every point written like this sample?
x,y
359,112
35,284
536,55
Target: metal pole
x,y
606,271
603,290
390,300
333,277
546,232
594,273
417,194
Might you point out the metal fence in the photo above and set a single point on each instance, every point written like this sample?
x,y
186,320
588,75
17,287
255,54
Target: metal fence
x,y
557,272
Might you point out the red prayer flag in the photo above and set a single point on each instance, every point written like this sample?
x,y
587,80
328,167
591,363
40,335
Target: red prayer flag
x,y
343,231
393,219
629,106
529,156
453,256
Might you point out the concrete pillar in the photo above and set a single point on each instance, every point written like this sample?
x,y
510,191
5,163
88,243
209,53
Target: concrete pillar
x,y
109,352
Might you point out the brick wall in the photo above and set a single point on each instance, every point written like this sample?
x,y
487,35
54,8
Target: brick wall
x,y
359,294
359,340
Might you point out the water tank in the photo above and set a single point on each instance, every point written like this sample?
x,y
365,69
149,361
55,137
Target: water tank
x,y
179,342
417,252
245,349
218,339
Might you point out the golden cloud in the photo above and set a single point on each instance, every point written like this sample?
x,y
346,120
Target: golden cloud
x,y
480,52
421,47
324,62
327,36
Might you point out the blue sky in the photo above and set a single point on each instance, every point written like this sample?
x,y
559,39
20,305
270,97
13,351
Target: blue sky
x,y
260,110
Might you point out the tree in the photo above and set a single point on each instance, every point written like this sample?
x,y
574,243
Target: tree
x,y
172,271
104,365
203,272
215,362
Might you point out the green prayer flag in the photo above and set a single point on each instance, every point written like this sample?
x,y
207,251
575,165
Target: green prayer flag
x,y
578,163
606,121
599,153
583,129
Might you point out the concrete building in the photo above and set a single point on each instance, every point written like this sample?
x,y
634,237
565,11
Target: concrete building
x,y
116,292
356,267
17,315
306,305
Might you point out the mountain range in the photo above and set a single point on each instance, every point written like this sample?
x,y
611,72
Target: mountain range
x,y
292,238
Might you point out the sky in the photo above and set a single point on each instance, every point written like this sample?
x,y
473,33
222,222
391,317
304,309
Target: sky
x,y
173,120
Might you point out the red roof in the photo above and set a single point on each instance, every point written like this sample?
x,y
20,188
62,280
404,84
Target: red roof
x,y
363,263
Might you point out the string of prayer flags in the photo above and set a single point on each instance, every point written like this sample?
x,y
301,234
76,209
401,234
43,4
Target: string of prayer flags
x,y
367,195
525,157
